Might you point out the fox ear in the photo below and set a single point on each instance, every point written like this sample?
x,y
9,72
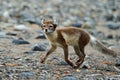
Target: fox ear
x,y
42,21
54,21
55,25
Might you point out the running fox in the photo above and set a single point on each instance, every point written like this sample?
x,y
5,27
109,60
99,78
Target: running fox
x,y
76,37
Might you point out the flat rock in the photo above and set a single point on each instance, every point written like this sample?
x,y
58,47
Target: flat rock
x,y
11,34
27,74
20,41
113,25
20,27
77,24
39,47
70,77
41,36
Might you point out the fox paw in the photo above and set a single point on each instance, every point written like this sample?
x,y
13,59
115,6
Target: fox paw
x,y
42,61
75,67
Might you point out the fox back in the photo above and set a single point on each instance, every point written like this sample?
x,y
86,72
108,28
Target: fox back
x,y
78,38
66,35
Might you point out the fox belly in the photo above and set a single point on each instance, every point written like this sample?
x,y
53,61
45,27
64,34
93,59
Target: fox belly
x,y
71,39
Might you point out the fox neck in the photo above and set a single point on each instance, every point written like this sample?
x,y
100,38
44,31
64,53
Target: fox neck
x,y
51,36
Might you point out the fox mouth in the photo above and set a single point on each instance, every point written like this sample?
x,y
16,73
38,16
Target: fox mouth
x,y
47,32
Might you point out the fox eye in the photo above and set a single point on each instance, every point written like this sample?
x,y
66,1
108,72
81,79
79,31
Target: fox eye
x,y
43,26
50,26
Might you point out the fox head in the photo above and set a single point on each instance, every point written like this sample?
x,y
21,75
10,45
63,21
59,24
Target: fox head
x,y
48,26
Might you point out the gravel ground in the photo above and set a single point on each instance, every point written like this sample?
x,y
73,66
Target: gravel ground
x,y
22,43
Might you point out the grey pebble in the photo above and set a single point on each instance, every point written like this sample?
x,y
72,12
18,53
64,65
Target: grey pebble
x,y
20,41
39,47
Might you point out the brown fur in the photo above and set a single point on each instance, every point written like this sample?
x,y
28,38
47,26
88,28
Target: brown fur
x,y
66,36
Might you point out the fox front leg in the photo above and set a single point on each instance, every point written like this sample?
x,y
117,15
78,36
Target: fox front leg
x,y
53,47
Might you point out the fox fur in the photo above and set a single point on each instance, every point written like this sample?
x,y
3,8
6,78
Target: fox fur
x,y
76,37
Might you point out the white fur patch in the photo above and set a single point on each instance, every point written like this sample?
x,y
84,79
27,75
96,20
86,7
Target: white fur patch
x,y
93,39
71,39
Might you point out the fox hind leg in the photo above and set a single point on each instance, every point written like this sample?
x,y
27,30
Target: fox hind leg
x,y
66,57
81,60
80,53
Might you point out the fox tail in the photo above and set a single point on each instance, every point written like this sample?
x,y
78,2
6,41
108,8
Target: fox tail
x,y
102,48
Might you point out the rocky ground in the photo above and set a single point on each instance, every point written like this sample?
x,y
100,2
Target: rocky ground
x,y
23,45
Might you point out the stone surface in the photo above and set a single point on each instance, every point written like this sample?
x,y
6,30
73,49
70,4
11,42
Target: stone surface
x,y
39,47
20,41
70,77
22,19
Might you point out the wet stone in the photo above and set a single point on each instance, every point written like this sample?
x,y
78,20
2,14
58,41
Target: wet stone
x,y
27,74
112,25
2,34
39,47
110,36
20,41
77,24
109,17
70,77
20,27
117,62
11,34
41,36
29,52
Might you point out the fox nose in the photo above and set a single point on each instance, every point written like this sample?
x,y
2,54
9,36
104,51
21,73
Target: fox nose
x,y
46,30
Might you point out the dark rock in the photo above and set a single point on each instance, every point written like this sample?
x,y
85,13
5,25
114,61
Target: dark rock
x,y
3,35
117,62
109,17
25,15
41,36
86,63
110,36
39,47
29,52
20,41
70,77
112,25
2,50
118,18
30,20
11,34
27,74
77,24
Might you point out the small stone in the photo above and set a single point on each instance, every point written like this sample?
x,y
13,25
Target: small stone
x,y
41,36
85,65
112,25
60,61
70,77
39,47
11,34
117,62
20,27
2,34
114,47
110,36
29,52
27,74
2,50
77,24
109,17
20,41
